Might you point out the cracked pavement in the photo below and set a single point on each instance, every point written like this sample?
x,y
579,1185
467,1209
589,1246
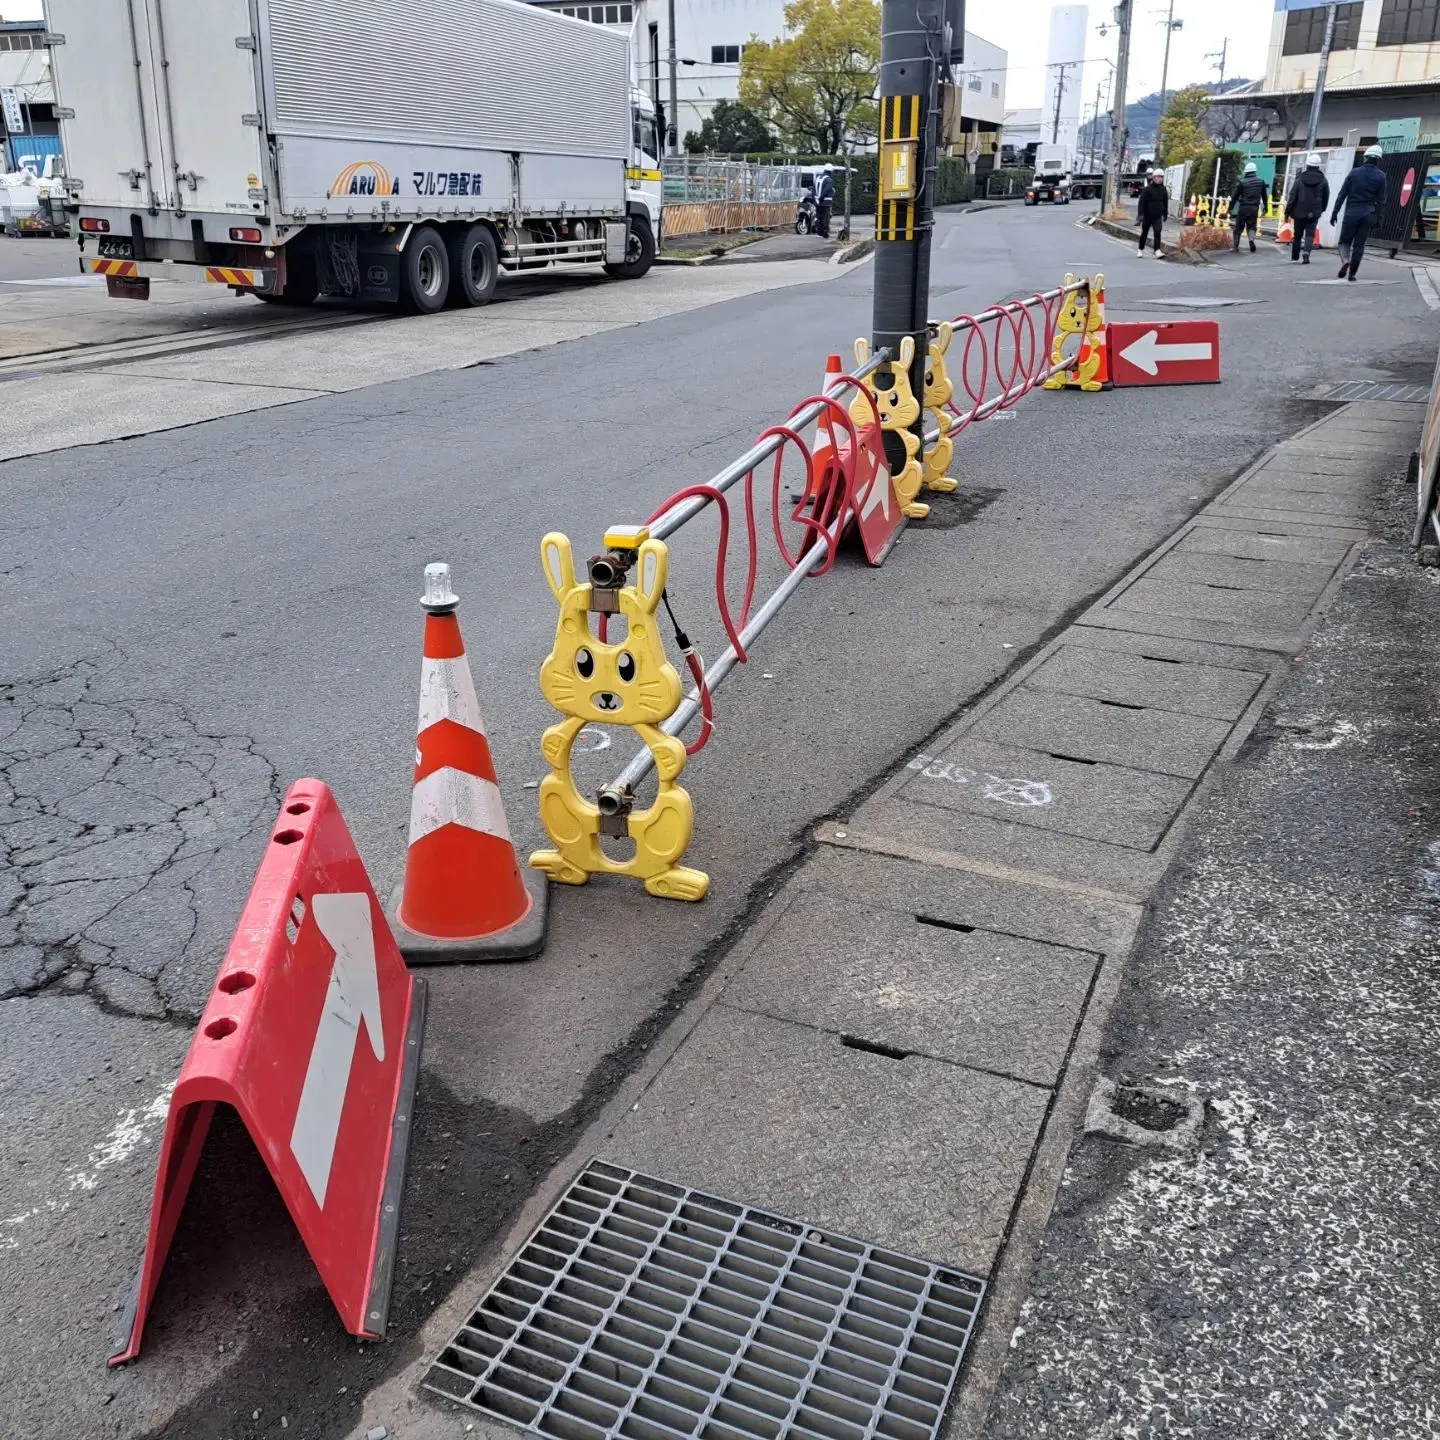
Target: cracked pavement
x,y
118,816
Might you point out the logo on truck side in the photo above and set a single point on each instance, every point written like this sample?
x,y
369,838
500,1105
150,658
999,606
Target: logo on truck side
x,y
364,177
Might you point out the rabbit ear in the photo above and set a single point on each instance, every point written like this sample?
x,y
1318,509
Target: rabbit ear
x,y
558,562
907,352
1069,278
946,333
862,350
651,569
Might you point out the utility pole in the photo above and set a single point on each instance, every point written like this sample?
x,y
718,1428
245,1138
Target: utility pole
x,y
911,48
1123,12
1060,68
1313,130
673,118
1171,25
1095,126
1218,56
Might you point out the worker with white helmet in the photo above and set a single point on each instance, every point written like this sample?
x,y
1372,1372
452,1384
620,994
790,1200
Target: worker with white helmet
x,y
1363,195
1304,206
1249,199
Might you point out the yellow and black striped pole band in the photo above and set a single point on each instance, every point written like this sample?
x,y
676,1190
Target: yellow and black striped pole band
x,y
899,120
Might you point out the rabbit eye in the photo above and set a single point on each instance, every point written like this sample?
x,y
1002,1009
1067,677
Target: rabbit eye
x,y
584,663
625,666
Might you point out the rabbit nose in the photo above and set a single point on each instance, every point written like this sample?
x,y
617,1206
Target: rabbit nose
x,y
605,700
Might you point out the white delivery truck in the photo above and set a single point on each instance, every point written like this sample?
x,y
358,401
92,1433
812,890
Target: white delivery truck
x,y
361,148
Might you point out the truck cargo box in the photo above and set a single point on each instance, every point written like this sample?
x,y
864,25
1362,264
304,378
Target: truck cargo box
x,y
338,110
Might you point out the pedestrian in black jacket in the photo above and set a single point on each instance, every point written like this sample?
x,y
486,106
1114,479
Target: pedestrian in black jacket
x,y
1309,196
1249,199
1153,210
1363,196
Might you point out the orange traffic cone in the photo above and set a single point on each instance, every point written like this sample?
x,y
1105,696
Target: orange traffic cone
x,y
464,896
824,457
1286,232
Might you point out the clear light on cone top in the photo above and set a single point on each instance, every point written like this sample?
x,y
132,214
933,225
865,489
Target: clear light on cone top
x,y
438,594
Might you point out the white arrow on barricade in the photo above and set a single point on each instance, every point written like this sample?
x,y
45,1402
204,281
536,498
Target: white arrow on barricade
x,y
1149,354
352,999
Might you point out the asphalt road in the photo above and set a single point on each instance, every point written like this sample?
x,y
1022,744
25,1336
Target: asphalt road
x,y
194,618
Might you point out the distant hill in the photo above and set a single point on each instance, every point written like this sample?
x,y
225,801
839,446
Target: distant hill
x,y
1143,118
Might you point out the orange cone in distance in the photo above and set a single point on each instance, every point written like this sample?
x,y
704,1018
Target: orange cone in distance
x,y
464,896
826,448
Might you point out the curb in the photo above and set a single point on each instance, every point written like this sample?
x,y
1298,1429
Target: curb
x,y
1173,253
706,259
858,251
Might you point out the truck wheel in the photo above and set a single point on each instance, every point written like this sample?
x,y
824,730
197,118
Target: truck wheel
x,y
474,266
639,251
424,272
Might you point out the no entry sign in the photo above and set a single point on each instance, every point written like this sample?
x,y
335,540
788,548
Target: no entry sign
x,y
1180,352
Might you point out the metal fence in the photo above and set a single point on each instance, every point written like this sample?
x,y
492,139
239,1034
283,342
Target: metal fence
x,y
709,197
695,180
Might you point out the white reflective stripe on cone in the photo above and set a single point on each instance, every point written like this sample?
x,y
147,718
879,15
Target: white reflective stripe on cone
x,y
453,797
447,692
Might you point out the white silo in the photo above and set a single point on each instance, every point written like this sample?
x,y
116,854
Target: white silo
x,y
1064,75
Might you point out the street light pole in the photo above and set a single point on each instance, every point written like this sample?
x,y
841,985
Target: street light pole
x,y
1123,13
1313,130
674,117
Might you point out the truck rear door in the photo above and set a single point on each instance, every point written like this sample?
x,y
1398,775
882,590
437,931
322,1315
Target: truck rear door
x,y
166,105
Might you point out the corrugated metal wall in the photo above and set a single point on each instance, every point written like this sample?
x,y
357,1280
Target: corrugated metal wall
x,y
491,73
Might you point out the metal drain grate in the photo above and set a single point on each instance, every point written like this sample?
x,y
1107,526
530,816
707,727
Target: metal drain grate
x,y
642,1309
1377,390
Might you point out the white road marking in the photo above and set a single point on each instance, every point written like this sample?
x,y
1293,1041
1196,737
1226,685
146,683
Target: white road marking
x,y
132,1129
352,999
1426,286
999,788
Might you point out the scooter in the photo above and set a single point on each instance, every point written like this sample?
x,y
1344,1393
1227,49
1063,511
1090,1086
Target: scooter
x,y
805,215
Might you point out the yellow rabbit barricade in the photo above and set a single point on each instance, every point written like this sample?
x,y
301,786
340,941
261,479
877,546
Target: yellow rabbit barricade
x,y
631,683
1082,313
939,391
899,410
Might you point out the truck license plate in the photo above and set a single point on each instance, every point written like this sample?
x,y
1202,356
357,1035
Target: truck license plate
x,y
117,247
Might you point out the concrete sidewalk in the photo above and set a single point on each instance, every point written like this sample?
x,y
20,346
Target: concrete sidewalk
x,y
902,1048
1283,1279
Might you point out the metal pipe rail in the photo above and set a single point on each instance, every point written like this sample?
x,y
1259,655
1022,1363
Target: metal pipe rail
x,y
752,459
616,793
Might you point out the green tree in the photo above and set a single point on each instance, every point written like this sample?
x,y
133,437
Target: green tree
x,y
817,82
731,129
1182,127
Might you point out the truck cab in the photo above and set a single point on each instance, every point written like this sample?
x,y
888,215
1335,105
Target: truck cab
x,y
1051,181
644,185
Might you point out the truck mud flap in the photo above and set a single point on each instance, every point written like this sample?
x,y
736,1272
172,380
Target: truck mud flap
x,y
379,275
125,287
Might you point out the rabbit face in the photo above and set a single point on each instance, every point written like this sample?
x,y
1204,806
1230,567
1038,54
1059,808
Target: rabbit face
x,y
629,683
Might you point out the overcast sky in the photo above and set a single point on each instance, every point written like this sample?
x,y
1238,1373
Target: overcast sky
x,y
1023,26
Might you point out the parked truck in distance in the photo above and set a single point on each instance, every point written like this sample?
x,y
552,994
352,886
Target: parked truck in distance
x,y
353,148
1056,180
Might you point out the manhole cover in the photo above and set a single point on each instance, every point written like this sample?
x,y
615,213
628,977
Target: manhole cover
x,y
1376,390
1201,302
643,1309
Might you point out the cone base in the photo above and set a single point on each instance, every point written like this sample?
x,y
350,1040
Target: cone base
x,y
521,941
